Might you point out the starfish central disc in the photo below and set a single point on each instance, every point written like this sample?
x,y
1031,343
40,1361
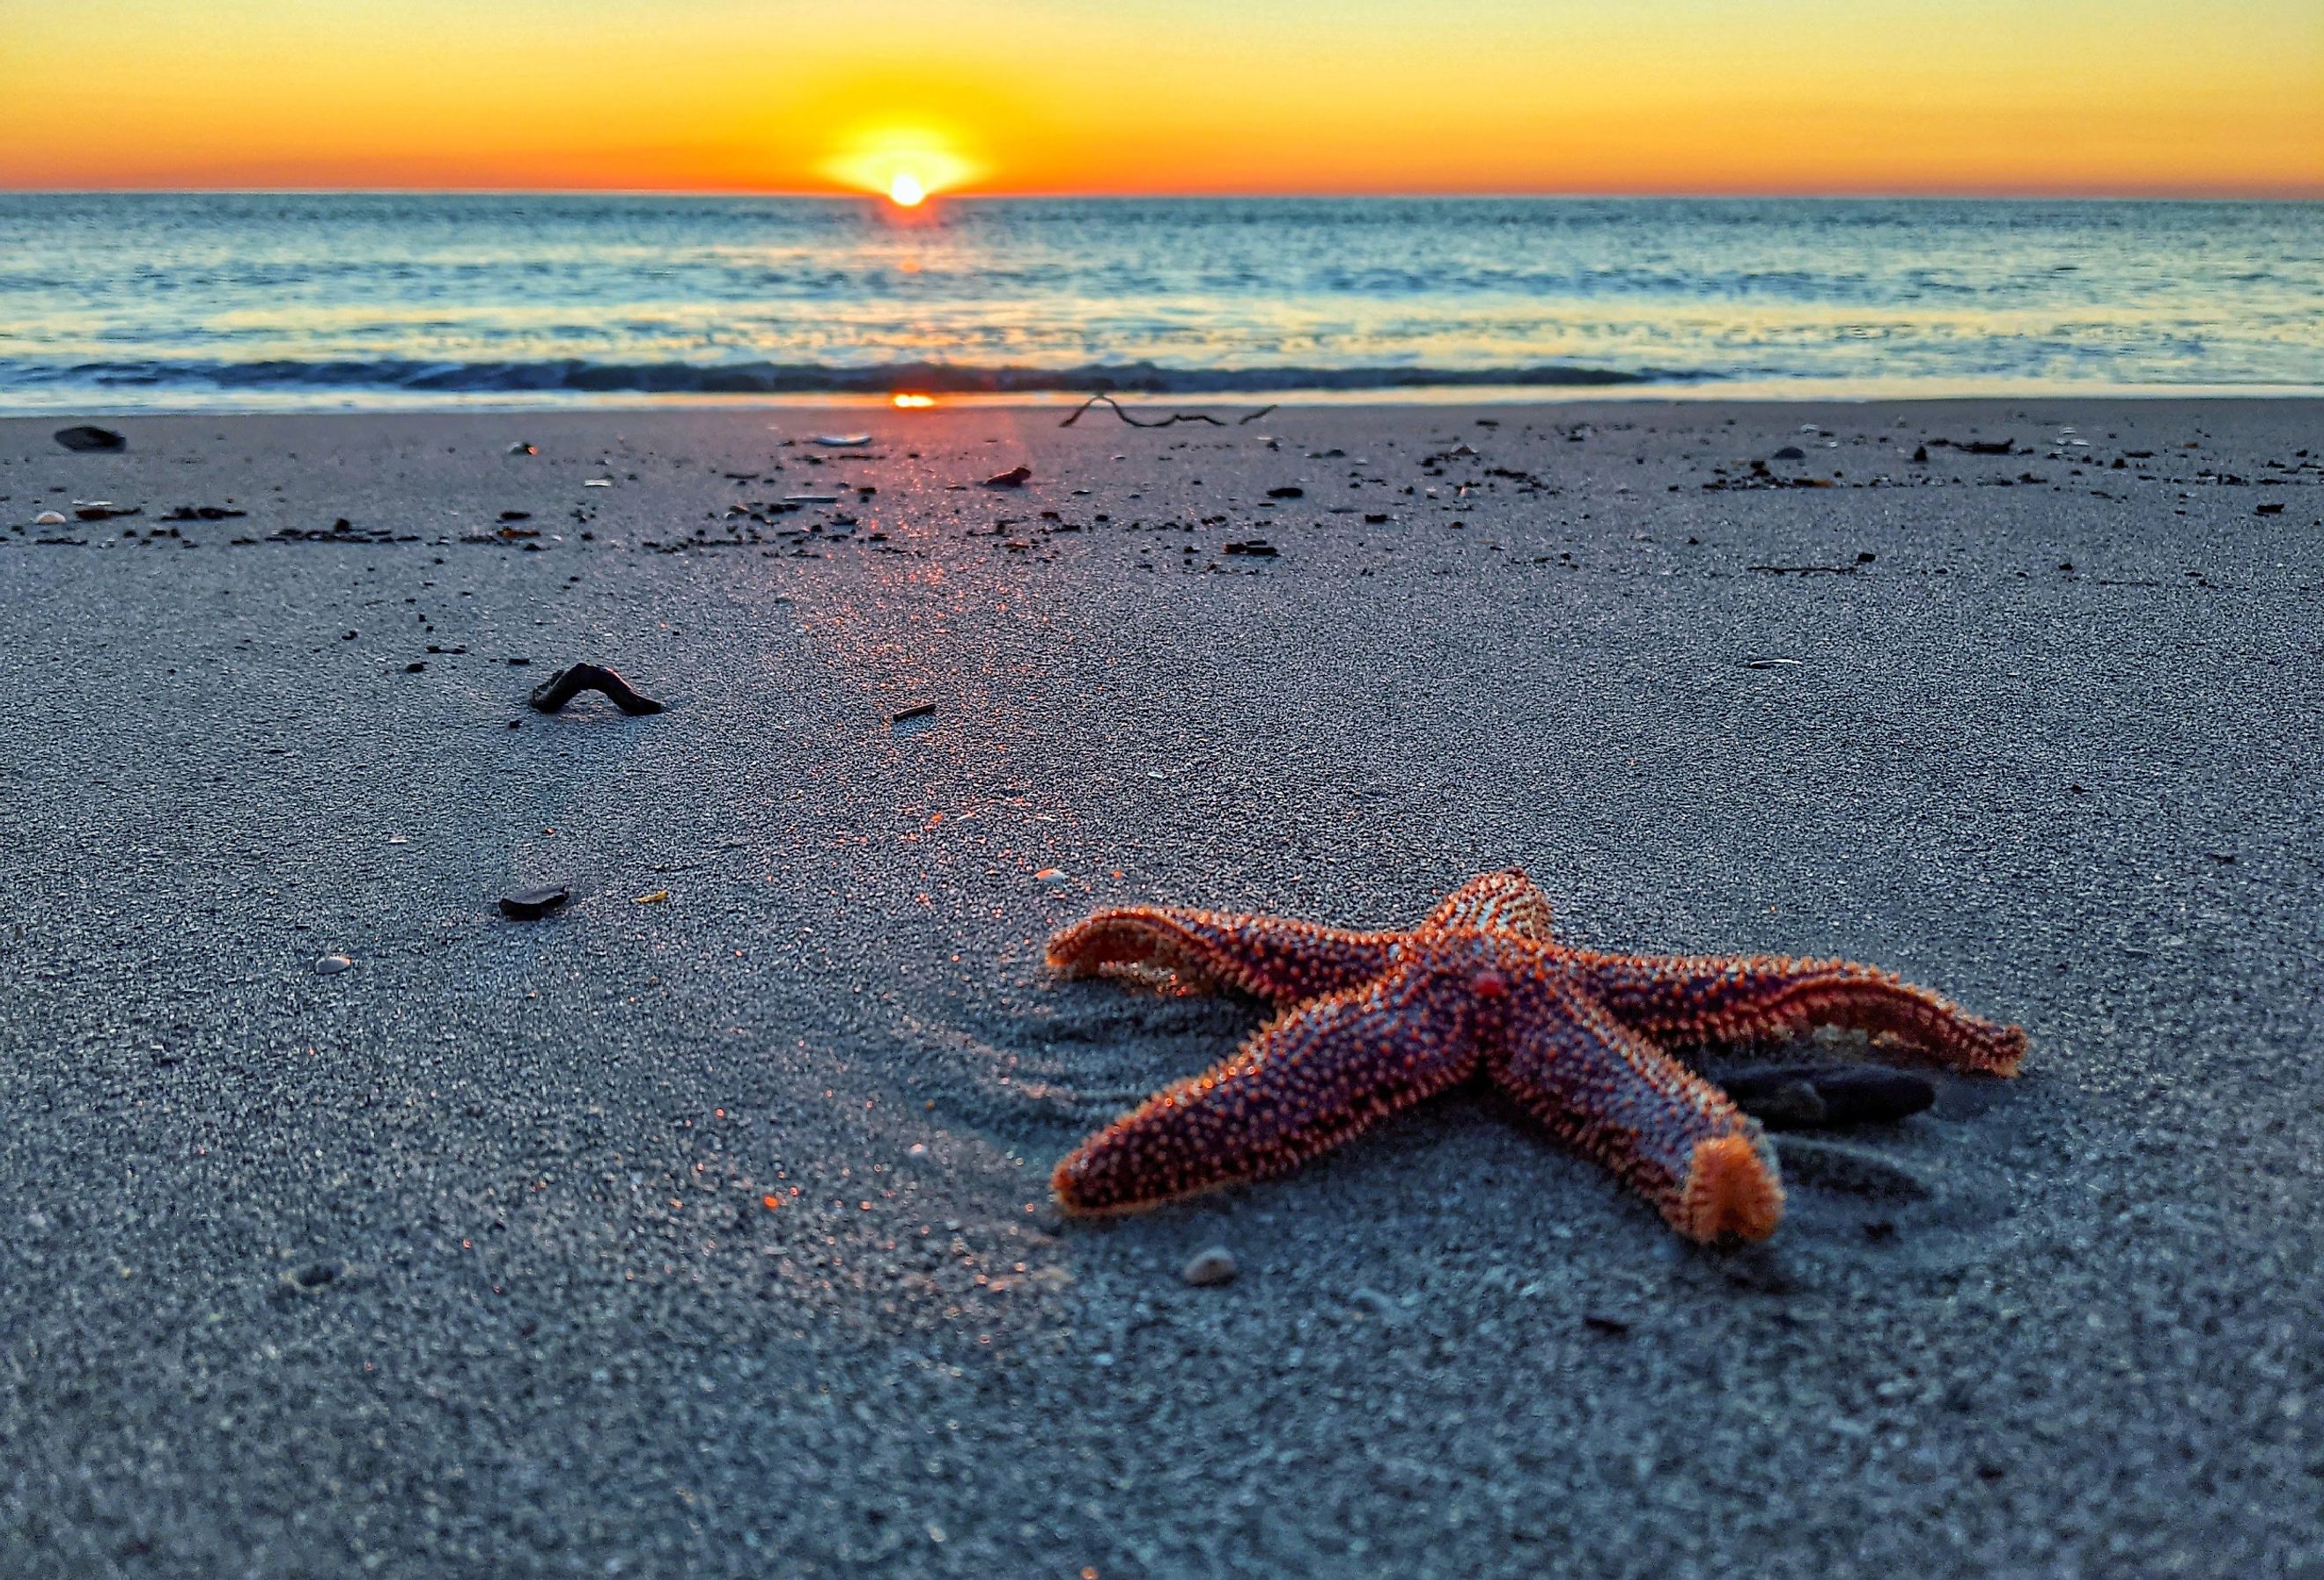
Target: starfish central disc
x,y
1372,1022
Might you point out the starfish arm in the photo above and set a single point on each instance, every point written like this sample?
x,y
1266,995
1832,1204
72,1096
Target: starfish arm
x,y
1505,901
1711,999
1317,1077
1283,962
1621,1102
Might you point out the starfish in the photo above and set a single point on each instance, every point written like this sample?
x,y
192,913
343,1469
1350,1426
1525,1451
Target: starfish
x,y
1372,1022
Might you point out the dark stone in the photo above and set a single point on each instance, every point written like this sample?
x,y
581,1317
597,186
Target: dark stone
x,y
82,436
1259,548
531,904
1790,452
1287,493
1012,478
1830,1096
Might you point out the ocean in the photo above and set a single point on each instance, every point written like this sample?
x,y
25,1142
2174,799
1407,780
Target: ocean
x,y
275,301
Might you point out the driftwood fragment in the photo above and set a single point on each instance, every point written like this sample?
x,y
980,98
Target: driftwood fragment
x,y
566,684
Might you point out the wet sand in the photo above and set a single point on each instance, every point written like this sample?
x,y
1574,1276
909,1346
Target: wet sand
x,y
710,1234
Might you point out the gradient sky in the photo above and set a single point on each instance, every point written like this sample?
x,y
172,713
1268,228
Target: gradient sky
x,y
2225,96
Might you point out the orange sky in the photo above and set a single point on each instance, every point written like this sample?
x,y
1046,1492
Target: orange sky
x,y
1172,96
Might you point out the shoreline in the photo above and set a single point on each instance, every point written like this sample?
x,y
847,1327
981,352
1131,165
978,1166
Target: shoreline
x,y
1646,391
2035,730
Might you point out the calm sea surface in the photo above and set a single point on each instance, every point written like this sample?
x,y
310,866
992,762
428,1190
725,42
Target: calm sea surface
x,y
220,301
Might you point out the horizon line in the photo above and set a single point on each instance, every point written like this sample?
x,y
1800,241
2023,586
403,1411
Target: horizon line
x,y
2292,195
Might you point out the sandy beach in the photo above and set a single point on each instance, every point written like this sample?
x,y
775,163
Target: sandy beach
x,y
703,1228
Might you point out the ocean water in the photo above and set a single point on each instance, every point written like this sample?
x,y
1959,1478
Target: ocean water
x,y
121,301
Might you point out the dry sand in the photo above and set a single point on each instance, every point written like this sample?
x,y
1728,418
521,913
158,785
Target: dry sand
x,y
2050,748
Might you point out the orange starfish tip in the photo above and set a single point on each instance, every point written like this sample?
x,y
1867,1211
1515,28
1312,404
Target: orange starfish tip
x,y
1729,1191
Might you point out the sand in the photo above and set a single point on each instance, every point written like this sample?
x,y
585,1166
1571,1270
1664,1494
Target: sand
x,y
710,1235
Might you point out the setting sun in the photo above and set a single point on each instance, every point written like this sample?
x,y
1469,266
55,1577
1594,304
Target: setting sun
x,y
906,163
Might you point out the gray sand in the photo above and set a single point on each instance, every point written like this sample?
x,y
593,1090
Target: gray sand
x,y
2065,1325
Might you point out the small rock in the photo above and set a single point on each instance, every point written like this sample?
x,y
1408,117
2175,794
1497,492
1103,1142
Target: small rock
x,y
1780,1105
50,518
530,904
842,441
1806,1097
332,965
521,449
82,436
1257,548
1214,1266
1012,478
1287,493
1790,452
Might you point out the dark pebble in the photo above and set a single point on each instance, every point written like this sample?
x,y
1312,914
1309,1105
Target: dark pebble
x,y
82,436
530,904
414,668
1012,478
1828,1097
1287,493
1790,452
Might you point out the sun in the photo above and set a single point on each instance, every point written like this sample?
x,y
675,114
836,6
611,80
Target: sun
x,y
907,164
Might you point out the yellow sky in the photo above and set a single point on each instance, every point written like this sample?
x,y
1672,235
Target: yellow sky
x,y
1171,95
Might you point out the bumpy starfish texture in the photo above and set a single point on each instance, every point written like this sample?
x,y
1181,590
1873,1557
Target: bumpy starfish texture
x,y
1372,1022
